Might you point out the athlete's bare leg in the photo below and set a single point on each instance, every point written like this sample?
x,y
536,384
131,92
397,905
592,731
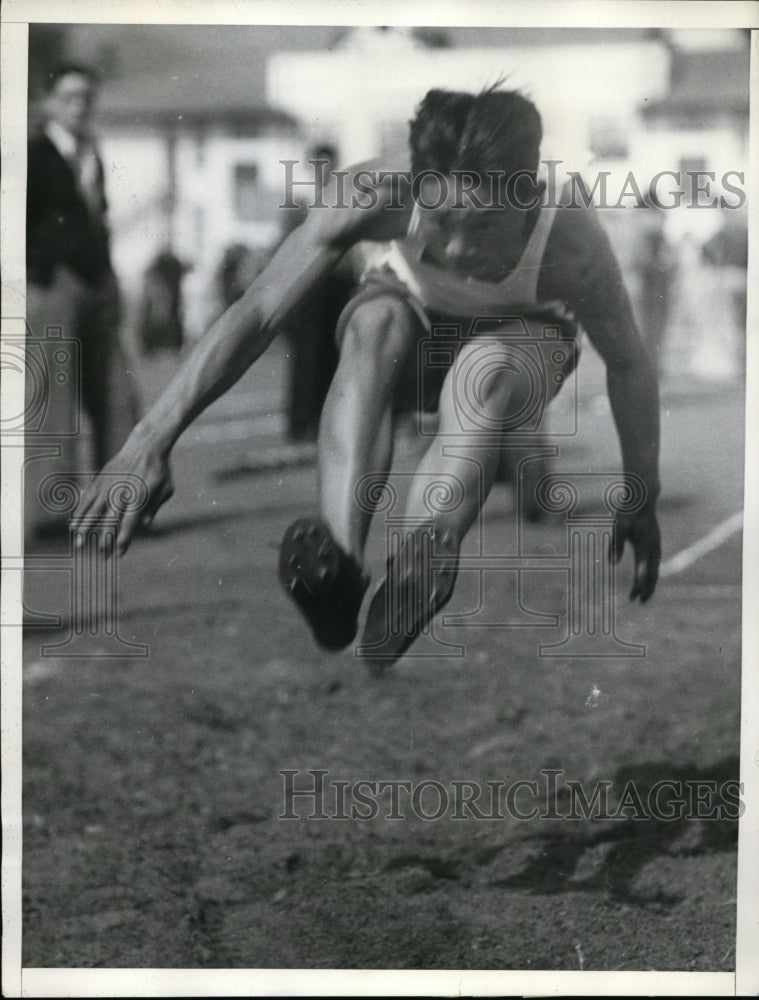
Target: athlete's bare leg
x,y
356,432
464,455
446,496
321,560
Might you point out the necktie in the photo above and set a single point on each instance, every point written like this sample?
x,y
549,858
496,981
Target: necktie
x,y
88,176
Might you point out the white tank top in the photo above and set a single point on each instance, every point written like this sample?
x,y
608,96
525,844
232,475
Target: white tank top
x,y
441,291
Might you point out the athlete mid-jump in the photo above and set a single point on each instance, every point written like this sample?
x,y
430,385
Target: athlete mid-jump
x,y
474,238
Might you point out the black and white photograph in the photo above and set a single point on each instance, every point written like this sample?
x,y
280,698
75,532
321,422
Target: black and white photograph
x,y
379,397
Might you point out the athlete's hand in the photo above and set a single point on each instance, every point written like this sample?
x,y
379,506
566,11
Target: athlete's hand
x,y
145,475
641,530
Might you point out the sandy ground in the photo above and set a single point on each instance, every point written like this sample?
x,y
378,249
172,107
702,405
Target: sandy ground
x,y
152,785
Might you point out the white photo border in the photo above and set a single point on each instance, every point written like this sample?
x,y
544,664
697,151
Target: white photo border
x,y
17,14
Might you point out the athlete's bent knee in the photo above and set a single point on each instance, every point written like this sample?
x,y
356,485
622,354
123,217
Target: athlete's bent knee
x,y
379,331
484,389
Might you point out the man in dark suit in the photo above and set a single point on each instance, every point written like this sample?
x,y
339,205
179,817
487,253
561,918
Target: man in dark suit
x,y
71,288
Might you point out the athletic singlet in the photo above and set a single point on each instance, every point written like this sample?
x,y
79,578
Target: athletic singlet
x,y
398,267
443,292
437,297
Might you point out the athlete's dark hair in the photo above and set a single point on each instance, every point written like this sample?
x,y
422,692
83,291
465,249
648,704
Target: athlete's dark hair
x,y
436,129
67,68
496,130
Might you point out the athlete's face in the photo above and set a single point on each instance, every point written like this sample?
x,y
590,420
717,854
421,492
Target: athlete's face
x,y
472,237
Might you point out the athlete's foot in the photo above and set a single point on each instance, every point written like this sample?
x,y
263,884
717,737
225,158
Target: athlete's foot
x,y
325,582
421,573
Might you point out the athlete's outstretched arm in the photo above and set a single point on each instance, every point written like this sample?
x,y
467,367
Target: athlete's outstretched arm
x,y
604,309
220,358
232,344
634,398
241,334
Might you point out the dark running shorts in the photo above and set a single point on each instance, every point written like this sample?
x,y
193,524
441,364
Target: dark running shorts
x,y
439,336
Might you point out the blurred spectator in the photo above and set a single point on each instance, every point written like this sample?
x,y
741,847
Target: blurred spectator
x,y
238,269
707,333
311,334
729,245
70,282
726,257
653,266
159,323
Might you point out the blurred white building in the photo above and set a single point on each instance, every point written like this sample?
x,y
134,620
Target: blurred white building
x,y
192,168
634,101
362,94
